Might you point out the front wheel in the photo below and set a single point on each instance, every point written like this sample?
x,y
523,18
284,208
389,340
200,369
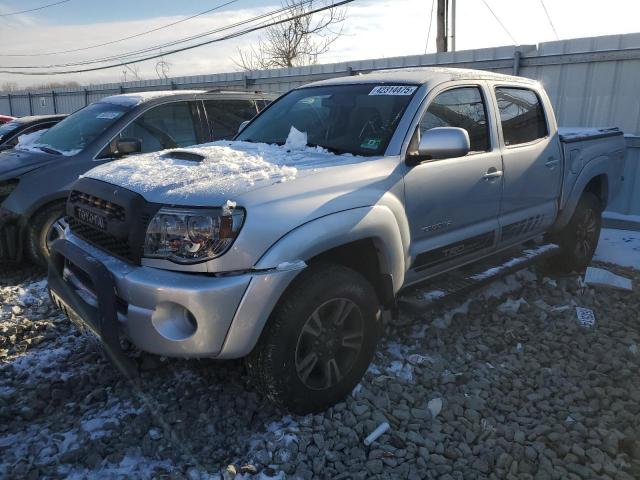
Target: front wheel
x,y
579,239
319,340
46,227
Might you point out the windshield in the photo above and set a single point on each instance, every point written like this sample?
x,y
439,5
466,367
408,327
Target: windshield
x,y
357,119
74,133
9,127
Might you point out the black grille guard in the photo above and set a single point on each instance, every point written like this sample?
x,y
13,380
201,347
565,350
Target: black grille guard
x,y
100,320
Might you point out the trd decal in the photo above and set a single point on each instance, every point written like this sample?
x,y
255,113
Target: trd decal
x,y
465,247
438,226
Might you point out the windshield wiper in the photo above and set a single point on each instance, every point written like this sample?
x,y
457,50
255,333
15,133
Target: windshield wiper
x,y
49,150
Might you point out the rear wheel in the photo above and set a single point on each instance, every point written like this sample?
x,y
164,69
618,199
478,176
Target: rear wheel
x,y
319,340
579,239
46,227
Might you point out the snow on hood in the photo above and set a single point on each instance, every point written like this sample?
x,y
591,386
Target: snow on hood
x,y
222,167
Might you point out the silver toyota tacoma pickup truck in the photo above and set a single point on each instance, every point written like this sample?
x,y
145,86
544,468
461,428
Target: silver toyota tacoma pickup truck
x,y
286,244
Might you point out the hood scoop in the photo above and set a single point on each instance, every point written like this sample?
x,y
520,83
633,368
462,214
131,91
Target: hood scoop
x,y
184,155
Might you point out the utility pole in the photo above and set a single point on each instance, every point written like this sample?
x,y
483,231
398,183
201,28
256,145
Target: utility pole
x,y
441,17
452,27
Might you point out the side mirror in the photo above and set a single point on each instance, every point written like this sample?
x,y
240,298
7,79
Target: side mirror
x,y
242,125
440,143
127,146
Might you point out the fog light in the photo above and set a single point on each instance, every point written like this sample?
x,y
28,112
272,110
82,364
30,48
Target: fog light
x,y
173,321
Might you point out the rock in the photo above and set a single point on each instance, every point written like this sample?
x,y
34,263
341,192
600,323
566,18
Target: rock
x,y
359,409
435,407
374,467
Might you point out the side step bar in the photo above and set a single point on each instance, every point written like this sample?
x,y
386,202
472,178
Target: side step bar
x,y
457,283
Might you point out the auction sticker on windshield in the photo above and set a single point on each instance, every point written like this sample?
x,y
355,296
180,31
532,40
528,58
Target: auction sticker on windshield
x,y
401,90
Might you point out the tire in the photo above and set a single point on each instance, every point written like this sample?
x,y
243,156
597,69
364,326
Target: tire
x,y
305,325
579,239
45,227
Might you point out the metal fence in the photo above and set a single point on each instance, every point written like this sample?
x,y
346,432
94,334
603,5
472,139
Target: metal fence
x,y
591,82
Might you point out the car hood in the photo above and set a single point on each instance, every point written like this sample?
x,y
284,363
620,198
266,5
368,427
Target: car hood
x,y
209,174
16,162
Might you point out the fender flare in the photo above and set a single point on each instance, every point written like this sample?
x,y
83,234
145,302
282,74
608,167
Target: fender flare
x,y
595,168
377,223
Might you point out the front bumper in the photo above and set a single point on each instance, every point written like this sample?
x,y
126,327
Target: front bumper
x,y
164,312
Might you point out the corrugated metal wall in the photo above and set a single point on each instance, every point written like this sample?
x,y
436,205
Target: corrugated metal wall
x,y
591,81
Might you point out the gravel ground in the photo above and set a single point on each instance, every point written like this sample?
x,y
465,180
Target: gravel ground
x,y
505,385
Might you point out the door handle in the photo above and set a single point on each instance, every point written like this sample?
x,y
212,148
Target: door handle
x,y
552,163
492,173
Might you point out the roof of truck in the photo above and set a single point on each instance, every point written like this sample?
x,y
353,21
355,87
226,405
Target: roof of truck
x,y
422,75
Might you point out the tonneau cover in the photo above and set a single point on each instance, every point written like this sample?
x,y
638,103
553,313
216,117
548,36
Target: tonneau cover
x,y
577,134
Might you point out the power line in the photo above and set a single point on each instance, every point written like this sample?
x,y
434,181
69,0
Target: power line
x,y
191,47
119,39
34,9
549,18
165,45
501,24
426,45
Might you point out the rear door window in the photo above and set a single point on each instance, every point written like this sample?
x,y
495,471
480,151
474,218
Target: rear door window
x,y
167,126
462,107
521,115
225,116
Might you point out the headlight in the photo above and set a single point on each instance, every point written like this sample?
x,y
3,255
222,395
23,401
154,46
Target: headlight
x,y
192,236
6,188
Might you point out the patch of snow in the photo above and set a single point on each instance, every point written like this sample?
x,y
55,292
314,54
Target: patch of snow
x,y
397,350
514,262
34,359
296,140
621,217
29,138
97,423
228,207
604,278
373,369
227,166
620,247
403,371
433,295
511,306
32,293
34,147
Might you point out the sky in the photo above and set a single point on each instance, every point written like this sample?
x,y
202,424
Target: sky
x,y
373,29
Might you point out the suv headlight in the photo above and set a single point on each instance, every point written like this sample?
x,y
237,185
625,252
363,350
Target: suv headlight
x,y
6,188
192,235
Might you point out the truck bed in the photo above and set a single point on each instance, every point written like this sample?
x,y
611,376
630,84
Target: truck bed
x,y
584,148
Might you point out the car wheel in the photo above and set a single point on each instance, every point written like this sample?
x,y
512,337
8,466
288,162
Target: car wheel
x,y
46,227
319,340
579,239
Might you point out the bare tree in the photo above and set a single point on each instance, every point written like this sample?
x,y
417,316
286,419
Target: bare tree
x,y
8,87
132,69
297,42
163,68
